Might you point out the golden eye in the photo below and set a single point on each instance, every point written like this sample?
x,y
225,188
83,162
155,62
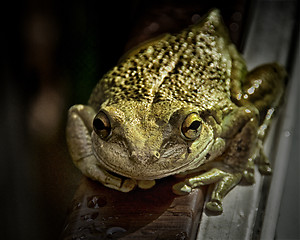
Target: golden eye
x,y
191,126
102,125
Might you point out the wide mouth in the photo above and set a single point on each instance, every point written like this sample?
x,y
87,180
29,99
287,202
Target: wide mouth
x,y
142,175
144,172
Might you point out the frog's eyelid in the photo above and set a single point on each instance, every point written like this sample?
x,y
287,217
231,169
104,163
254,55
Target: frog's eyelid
x,y
180,115
112,121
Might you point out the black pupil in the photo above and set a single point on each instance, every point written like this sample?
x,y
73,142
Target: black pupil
x,y
195,125
98,124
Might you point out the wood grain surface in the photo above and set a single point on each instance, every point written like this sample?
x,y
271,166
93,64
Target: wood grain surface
x,y
98,212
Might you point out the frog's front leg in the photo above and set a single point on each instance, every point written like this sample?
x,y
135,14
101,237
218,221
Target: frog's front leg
x,y
226,171
79,128
223,182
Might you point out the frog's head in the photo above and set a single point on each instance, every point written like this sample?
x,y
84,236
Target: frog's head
x,y
145,142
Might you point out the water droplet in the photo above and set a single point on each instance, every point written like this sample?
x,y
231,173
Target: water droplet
x,y
115,232
89,217
147,232
96,201
79,237
237,16
173,234
80,229
195,18
234,27
76,205
181,236
99,227
151,28
66,227
287,133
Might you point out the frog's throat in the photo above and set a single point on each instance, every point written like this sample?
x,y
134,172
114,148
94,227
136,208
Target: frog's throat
x,y
195,162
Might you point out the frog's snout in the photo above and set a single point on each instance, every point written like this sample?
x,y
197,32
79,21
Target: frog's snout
x,y
142,157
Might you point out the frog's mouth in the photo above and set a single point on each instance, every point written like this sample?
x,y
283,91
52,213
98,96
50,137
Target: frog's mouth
x,y
158,169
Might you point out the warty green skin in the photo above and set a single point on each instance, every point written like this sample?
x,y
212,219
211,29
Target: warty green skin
x,y
149,95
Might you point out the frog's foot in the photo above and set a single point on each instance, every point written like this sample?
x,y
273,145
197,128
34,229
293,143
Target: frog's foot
x,y
223,183
95,172
264,166
248,173
145,184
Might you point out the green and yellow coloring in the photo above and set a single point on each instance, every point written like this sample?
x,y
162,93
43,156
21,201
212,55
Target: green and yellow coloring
x,y
180,104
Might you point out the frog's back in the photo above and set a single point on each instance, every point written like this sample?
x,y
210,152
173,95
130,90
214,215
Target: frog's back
x,y
192,66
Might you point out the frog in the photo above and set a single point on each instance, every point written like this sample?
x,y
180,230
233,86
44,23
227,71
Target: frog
x,y
182,104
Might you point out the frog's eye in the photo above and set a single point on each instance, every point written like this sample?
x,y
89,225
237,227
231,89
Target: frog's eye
x,y
102,125
191,126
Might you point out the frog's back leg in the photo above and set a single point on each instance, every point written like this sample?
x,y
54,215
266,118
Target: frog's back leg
x,y
262,87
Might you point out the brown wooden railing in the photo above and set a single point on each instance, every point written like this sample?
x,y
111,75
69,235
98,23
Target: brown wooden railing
x,y
100,213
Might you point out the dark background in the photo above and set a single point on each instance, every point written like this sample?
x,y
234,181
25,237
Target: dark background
x,y
52,54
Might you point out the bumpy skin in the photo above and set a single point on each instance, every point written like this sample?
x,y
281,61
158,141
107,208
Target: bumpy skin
x,y
179,104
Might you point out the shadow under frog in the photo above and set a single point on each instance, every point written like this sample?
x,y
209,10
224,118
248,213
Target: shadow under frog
x,y
99,212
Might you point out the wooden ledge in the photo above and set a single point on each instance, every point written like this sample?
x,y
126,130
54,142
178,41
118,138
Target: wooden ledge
x,y
98,212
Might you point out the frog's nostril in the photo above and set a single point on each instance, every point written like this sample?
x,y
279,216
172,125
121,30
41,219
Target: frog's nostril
x,y
156,154
144,157
133,156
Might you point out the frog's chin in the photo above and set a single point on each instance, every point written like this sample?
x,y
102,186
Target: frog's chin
x,y
152,173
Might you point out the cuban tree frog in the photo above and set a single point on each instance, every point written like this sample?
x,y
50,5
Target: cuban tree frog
x,y
182,103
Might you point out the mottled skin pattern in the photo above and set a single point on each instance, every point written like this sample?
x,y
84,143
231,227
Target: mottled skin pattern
x,y
179,104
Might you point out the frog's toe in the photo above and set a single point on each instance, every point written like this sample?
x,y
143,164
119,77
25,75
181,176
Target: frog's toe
x,y
128,185
265,169
145,184
109,180
181,188
264,166
215,206
248,175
